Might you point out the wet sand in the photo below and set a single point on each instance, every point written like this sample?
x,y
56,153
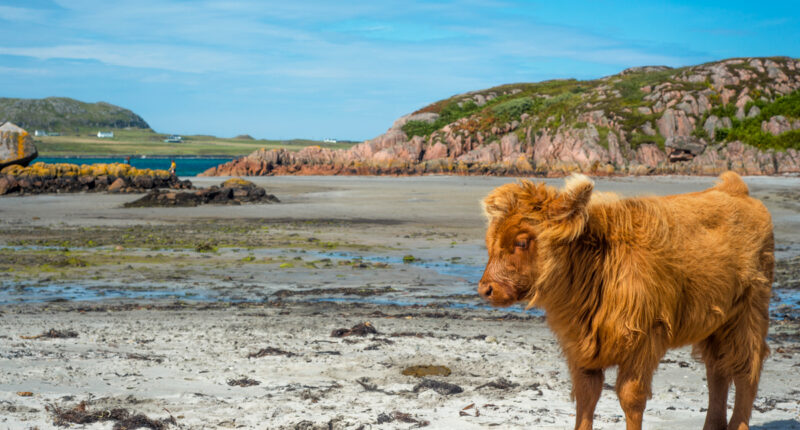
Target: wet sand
x,y
169,302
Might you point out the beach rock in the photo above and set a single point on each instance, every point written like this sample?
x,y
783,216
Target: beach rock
x,y
16,146
234,191
7,185
117,185
145,182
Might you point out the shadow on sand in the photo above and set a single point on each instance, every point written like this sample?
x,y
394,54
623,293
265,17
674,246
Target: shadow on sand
x,y
778,425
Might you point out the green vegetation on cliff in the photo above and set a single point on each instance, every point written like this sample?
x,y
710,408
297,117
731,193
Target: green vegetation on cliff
x,y
750,130
640,105
501,104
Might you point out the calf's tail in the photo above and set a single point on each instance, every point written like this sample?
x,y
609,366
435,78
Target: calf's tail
x,y
731,183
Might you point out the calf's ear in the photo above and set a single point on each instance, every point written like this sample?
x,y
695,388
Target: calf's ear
x,y
500,201
567,213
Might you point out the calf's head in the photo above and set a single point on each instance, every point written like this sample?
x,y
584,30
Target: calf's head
x,y
525,221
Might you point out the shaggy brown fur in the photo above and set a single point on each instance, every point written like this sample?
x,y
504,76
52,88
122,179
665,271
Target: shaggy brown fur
x,y
624,280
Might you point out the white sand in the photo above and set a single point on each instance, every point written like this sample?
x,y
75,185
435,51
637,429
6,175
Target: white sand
x,y
186,355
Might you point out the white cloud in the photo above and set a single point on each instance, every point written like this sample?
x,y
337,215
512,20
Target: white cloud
x,y
172,58
23,71
11,13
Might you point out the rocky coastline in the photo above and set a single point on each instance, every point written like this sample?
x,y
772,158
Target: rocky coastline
x,y
41,178
643,121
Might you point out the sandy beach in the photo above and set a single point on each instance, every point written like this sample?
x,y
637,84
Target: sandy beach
x,y
224,316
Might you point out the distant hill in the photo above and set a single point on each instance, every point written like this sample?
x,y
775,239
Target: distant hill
x,y
62,114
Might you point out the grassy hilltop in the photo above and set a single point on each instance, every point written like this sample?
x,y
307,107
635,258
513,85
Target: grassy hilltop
x,y
62,114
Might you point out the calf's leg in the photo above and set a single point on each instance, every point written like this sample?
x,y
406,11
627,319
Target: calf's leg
x,y
633,388
737,350
718,385
746,382
743,406
587,384
719,381
749,339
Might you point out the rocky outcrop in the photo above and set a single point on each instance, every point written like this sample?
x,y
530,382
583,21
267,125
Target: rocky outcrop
x,y
675,123
684,148
647,120
234,191
16,146
42,178
714,123
779,124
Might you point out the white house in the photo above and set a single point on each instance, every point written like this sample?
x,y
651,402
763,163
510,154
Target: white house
x,y
105,134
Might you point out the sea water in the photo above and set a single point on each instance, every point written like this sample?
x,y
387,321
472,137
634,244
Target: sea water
x,y
184,166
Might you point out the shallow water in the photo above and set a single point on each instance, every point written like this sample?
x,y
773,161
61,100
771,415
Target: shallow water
x,y
784,303
468,273
455,288
11,293
184,166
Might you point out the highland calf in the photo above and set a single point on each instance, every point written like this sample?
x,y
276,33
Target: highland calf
x,y
624,280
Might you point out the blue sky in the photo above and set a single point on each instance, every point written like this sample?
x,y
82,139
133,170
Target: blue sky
x,y
347,69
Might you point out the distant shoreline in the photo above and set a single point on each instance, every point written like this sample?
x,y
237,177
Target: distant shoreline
x,y
139,156
186,165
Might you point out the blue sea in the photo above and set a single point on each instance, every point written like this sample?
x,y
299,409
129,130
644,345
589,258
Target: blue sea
x,y
184,166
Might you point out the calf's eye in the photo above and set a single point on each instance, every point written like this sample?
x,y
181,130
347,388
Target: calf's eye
x,y
521,243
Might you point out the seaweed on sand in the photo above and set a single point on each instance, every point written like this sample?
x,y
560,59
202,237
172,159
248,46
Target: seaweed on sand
x,y
124,419
361,329
443,388
263,352
244,381
54,334
500,384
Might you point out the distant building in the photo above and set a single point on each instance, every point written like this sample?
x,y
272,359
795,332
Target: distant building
x,y
43,133
329,140
173,139
105,134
